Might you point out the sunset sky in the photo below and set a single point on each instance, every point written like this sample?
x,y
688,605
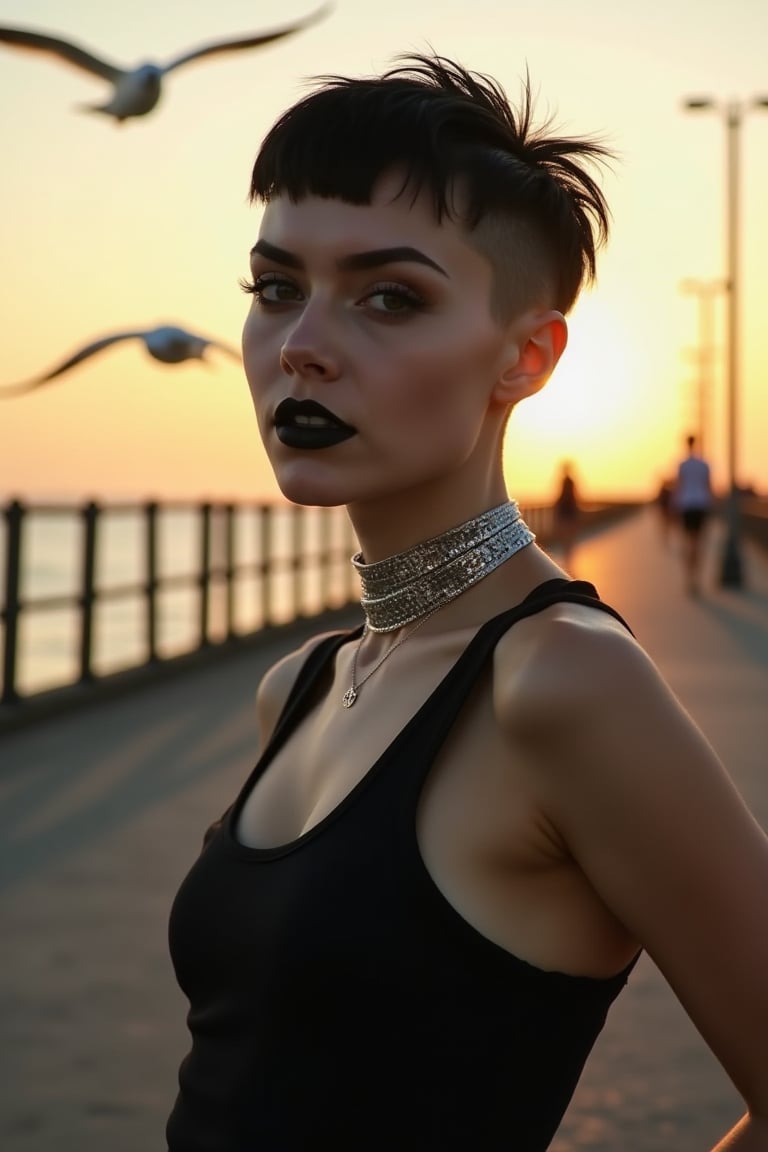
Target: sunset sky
x,y
106,227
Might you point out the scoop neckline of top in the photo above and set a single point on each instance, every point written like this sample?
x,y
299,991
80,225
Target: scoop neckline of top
x,y
277,851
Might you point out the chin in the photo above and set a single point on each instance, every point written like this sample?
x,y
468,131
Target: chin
x,y
304,486
319,480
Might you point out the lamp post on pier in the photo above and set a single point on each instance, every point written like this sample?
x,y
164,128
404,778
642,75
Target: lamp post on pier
x,y
705,292
731,571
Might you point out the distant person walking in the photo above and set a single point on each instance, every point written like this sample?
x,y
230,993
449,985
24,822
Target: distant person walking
x,y
567,511
693,503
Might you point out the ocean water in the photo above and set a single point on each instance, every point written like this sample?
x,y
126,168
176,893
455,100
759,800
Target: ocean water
x,y
52,561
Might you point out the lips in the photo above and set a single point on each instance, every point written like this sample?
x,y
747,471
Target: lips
x,y
308,425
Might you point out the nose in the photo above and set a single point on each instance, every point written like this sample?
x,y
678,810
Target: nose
x,y
308,348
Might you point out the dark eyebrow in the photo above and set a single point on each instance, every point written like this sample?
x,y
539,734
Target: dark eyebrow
x,y
379,256
354,263
279,255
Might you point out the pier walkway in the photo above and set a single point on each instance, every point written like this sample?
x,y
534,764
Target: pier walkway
x,y
102,811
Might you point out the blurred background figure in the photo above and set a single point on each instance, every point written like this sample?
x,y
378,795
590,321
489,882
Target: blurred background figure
x,y
693,502
665,507
136,91
567,513
166,343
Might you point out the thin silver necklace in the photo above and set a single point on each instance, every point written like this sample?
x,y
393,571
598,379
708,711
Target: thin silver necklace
x,y
353,691
413,585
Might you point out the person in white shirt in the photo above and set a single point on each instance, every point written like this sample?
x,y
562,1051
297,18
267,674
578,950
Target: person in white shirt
x,y
693,501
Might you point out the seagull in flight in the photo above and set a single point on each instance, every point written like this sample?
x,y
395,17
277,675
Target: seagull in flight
x,y
136,91
166,343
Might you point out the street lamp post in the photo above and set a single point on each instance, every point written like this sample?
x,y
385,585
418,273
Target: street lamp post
x,y
731,571
705,292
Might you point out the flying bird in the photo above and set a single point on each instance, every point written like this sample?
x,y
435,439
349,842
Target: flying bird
x,y
136,91
165,343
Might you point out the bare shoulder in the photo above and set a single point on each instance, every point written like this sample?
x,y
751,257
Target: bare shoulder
x,y
582,700
566,662
275,686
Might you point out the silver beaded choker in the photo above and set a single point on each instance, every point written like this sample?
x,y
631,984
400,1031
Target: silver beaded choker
x,y
400,589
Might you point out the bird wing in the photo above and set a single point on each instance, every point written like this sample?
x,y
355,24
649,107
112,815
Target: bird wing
x,y
233,352
37,42
83,354
246,42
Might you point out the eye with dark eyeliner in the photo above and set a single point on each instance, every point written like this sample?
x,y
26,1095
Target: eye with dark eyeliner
x,y
396,299
270,288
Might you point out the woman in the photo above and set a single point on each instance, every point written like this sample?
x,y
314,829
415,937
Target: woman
x,y
470,814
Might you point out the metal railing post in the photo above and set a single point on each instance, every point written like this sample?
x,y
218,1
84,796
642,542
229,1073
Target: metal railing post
x,y
265,565
150,579
298,533
229,566
326,555
14,519
204,575
90,514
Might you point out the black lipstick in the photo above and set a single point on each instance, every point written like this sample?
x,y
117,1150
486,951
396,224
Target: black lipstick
x,y
307,424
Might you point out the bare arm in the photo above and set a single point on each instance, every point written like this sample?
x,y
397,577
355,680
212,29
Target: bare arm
x,y
649,814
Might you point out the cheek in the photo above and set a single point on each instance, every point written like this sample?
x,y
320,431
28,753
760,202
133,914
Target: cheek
x,y
453,376
258,355
255,367
250,341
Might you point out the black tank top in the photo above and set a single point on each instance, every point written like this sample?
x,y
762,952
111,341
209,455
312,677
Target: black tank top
x,y
337,1000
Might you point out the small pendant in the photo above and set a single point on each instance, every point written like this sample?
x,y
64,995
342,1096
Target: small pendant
x,y
349,697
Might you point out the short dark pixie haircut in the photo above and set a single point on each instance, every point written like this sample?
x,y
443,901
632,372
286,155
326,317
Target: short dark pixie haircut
x,y
524,196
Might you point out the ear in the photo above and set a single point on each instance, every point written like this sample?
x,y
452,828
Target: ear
x,y
536,344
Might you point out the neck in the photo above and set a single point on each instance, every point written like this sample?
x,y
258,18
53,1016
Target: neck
x,y
390,525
